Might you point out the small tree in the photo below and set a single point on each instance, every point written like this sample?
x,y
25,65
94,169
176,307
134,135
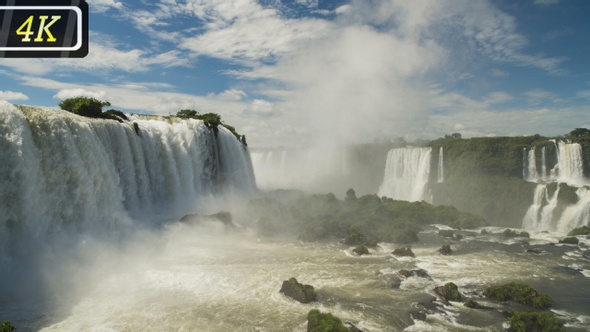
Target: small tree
x,y
186,113
84,106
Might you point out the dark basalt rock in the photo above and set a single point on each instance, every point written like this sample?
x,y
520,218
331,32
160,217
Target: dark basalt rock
x,y
411,273
297,291
445,250
403,252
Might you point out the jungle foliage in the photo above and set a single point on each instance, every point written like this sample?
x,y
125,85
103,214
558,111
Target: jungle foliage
x,y
365,220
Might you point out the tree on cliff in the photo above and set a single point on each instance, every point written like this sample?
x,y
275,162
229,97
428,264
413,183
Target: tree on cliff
x,y
84,106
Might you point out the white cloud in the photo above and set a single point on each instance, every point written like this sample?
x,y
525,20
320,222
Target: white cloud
x,y
79,92
538,96
231,94
10,95
262,108
498,73
103,5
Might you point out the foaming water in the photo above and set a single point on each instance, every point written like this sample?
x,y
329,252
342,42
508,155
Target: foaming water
x,y
206,278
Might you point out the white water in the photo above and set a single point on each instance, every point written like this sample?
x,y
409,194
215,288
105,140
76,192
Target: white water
x,y
569,169
62,173
407,172
304,169
441,165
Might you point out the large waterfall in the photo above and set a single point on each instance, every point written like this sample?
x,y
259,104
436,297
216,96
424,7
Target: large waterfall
x,y
62,172
407,173
569,169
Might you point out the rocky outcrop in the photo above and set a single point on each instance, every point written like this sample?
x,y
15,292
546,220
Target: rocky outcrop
x,y
403,252
297,291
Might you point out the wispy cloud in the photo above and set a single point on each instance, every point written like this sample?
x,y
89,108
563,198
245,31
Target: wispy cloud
x,y
12,96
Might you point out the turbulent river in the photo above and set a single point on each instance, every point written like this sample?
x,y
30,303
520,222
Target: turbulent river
x,y
205,278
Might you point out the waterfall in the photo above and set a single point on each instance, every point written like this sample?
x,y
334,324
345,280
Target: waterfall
x,y
576,215
62,172
569,163
530,167
406,174
441,167
544,175
539,216
531,219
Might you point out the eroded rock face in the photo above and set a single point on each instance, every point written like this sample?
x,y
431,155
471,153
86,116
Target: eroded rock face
x,y
297,291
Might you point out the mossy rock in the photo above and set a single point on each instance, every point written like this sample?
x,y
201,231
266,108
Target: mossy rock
x,y
569,240
445,250
449,292
297,291
325,322
513,233
519,293
584,230
361,250
543,321
469,303
403,252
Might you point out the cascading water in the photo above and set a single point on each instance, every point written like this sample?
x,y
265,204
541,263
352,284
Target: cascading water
x,y
62,172
569,170
441,167
407,172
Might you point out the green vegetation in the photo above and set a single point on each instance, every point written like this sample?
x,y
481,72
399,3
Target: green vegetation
x,y
584,230
513,233
366,220
5,326
361,250
403,252
469,303
449,292
535,322
324,322
519,293
84,106
297,291
569,240
211,120
115,115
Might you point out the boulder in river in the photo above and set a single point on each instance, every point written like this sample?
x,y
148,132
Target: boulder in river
x,y
297,291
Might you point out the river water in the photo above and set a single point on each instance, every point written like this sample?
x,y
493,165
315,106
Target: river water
x,y
206,278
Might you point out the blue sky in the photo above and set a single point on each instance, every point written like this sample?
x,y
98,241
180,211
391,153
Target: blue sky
x,y
301,72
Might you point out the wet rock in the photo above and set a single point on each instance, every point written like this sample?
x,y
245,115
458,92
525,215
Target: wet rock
x,y
449,292
535,251
414,273
297,291
445,250
403,252
325,322
570,240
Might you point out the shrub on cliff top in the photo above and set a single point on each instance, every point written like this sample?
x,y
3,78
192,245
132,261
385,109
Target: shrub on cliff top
x,y
85,106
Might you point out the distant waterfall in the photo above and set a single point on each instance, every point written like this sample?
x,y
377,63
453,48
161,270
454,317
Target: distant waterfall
x,y
540,214
60,171
569,169
406,174
569,163
441,167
